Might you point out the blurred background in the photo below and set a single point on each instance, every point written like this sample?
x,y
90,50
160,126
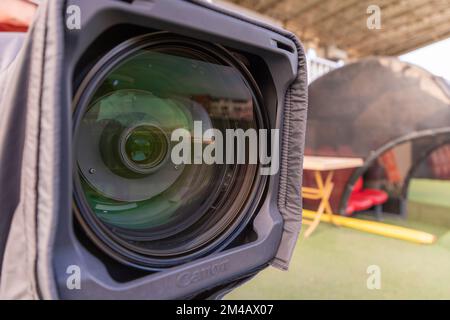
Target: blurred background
x,y
377,173
379,75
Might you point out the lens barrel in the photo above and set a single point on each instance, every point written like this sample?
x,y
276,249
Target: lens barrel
x,y
130,197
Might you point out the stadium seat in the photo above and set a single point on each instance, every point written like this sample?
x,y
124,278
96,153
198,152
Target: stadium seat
x,y
376,196
363,199
358,202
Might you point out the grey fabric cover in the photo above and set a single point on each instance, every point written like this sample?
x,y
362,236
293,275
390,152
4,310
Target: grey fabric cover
x,y
29,132
30,126
292,145
10,45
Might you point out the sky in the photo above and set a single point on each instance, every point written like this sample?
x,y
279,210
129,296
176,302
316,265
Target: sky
x,y
434,58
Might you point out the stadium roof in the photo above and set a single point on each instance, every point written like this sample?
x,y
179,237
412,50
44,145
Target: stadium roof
x,y
405,24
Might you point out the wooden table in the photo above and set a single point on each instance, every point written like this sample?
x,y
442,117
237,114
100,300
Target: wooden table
x,y
324,188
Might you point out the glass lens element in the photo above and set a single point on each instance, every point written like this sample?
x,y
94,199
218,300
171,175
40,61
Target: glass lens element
x,y
144,147
123,151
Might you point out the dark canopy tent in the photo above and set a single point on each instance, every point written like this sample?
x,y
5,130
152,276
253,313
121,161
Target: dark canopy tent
x,y
379,109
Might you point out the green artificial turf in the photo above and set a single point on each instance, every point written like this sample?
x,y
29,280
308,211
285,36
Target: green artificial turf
x,y
433,192
333,262
429,201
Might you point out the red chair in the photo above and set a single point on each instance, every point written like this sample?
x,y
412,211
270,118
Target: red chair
x,y
358,202
364,199
378,197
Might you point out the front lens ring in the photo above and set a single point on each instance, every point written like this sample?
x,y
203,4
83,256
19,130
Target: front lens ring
x,y
104,238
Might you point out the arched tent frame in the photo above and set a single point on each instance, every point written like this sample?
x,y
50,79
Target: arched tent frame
x,y
374,156
372,106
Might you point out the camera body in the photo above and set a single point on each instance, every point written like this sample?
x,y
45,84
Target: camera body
x,y
271,58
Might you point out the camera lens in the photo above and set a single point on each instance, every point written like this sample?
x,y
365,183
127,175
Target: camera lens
x,y
143,148
130,197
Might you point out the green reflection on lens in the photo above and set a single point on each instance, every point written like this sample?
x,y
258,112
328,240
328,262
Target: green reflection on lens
x,y
146,147
127,128
139,148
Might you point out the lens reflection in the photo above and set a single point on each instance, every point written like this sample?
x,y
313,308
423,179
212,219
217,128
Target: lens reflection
x,y
144,148
141,147
142,200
